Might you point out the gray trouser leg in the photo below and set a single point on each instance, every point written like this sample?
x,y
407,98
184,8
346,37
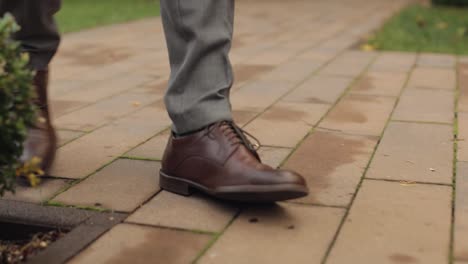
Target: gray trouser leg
x,y
198,35
38,35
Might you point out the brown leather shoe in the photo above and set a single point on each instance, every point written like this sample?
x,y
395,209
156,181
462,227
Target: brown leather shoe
x,y
41,140
222,162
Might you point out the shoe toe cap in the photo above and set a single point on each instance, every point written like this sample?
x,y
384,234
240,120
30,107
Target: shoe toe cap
x,y
292,177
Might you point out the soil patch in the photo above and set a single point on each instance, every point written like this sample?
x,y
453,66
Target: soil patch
x,y
20,242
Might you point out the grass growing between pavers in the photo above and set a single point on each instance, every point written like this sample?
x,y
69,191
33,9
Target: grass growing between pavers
x,y
76,15
87,208
455,168
424,29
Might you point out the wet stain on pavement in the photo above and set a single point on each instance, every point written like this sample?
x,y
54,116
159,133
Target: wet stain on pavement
x,y
91,55
61,107
346,111
151,247
366,83
462,256
245,72
237,42
159,104
421,87
156,87
362,98
242,117
321,154
315,100
279,113
402,258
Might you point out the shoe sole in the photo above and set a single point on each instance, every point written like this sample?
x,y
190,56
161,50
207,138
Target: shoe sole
x,y
244,193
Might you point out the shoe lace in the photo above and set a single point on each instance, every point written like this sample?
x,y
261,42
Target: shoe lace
x,y
237,135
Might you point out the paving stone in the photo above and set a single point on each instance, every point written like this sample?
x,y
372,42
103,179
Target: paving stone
x,y
105,111
272,57
359,114
246,72
65,136
152,149
90,152
122,70
335,44
154,88
258,95
461,213
273,156
105,88
462,143
61,107
321,56
425,105
390,223
96,54
138,244
433,78
243,117
380,83
196,212
350,64
463,87
122,186
436,60
332,164
245,54
266,229
285,124
319,89
295,70
393,62
299,46
414,152
61,73
46,190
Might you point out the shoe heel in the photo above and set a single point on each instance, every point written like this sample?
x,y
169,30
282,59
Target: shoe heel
x,y
174,185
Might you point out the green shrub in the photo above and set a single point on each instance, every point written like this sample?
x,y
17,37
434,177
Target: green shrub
x,y
451,2
17,110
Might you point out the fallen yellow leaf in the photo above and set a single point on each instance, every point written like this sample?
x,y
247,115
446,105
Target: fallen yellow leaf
x,y
367,47
41,120
407,183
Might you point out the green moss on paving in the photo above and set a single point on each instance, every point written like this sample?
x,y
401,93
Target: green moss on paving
x,y
139,158
76,15
55,204
88,208
425,29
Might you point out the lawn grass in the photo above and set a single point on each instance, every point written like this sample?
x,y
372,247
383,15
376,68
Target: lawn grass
x,y
425,29
76,15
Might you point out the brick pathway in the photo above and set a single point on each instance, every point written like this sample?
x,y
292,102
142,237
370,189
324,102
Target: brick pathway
x,y
379,136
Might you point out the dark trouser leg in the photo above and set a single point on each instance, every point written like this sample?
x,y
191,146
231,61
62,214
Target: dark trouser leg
x,y
198,35
38,35
40,38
